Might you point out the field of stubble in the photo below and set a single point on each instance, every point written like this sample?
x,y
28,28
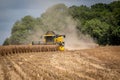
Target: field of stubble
x,y
101,63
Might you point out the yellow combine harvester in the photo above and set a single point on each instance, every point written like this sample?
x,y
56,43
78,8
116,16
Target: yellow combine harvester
x,y
50,38
50,42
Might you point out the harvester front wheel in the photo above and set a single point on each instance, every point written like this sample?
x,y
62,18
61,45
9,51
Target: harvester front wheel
x,y
61,48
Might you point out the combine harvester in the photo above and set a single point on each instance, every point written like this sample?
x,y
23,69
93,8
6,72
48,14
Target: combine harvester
x,y
50,42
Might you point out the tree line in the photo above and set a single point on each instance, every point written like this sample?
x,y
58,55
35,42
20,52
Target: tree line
x,y
101,21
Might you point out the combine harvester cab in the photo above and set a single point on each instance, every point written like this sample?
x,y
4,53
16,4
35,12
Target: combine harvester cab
x,y
50,42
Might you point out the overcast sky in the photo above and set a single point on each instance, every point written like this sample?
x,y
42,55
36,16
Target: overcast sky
x,y
13,10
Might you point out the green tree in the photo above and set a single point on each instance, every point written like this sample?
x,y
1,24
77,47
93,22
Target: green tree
x,y
81,13
6,42
22,29
98,30
99,7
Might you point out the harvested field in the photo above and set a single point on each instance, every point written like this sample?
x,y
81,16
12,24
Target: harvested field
x,y
101,63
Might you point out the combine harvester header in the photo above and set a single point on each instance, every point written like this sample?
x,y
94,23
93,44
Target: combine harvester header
x,y
50,42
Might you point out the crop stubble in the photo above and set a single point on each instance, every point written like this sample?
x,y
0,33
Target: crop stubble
x,y
101,63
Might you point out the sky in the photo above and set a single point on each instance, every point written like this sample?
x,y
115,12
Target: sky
x,y
13,10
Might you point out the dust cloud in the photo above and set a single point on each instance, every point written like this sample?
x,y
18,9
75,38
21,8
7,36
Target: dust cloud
x,y
73,40
58,19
